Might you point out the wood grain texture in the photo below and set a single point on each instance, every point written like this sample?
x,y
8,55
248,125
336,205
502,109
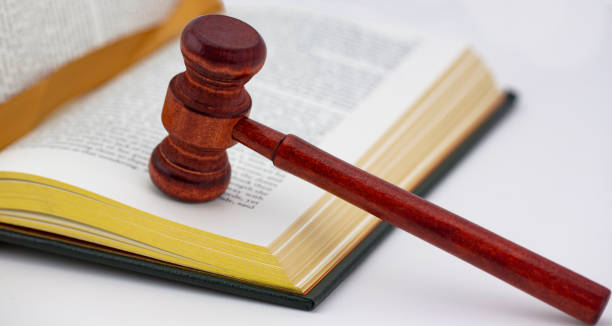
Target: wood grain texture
x,y
524,269
202,106
206,111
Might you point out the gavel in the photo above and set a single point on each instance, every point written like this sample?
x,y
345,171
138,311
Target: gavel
x,y
206,111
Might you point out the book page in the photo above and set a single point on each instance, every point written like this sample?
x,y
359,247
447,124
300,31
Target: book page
x,y
37,37
334,83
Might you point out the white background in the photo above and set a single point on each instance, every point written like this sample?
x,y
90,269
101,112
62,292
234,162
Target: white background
x,y
541,178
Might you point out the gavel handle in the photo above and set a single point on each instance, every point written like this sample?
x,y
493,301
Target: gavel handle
x,y
524,269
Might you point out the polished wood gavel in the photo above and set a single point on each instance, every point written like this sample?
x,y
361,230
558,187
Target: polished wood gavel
x,y
206,110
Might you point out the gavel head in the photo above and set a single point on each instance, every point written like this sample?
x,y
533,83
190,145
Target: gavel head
x,y
202,106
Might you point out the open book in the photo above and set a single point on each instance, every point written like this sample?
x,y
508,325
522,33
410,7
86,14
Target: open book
x,y
402,107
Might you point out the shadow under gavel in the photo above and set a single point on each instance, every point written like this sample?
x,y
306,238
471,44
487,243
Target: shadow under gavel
x,y
206,110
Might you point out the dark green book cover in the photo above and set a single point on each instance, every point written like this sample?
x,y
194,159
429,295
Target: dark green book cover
x,y
108,256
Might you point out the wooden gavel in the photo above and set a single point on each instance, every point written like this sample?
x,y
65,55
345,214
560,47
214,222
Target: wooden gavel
x,y
206,110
